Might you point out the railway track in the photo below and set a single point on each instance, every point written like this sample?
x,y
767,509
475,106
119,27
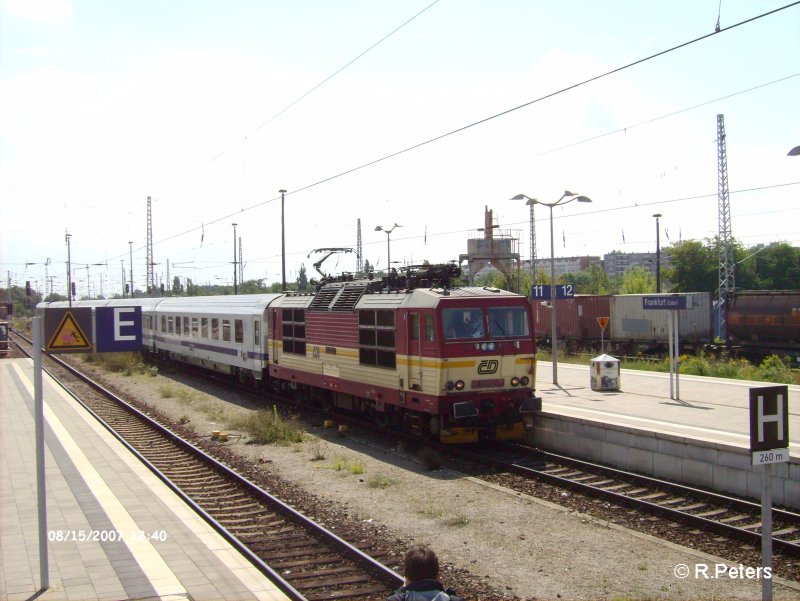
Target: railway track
x,y
700,511
306,560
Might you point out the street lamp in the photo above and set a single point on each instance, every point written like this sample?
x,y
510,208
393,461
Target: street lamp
x,y
69,269
283,243
569,196
658,254
130,250
235,290
388,249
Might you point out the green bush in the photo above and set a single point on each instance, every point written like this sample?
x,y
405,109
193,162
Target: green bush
x,y
777,369
266,427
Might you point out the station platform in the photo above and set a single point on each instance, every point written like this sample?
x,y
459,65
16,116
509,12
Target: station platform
x,y
714,409
97,491
697,433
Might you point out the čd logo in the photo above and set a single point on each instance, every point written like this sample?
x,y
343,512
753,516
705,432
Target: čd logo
x,y
488,366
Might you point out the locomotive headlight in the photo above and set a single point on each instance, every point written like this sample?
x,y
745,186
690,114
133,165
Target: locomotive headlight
x,y
491,346
524,380
484,346
450,385
460,385
515,381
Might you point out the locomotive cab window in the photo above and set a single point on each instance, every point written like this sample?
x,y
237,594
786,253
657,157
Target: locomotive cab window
x,y
463,323
508,322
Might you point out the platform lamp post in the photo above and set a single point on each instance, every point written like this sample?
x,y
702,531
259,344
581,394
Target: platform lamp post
x,y
567,197
388,233
235,289
130,248
69,269
283,241
658,254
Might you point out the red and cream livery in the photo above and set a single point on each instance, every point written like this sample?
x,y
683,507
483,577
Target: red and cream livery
x,y
458,363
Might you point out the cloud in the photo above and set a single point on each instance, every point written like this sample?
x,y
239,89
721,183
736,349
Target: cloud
x,y
50,11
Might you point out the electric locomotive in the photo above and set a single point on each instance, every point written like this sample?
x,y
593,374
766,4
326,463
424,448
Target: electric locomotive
x,y
454,363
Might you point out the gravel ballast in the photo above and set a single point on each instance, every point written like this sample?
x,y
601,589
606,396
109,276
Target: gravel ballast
x,y
492,541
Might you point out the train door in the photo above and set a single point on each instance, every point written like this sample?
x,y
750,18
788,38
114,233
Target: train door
x,y
414,375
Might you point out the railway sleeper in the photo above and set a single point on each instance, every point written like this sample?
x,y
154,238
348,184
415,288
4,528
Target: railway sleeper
x,y
349,580
221,485
320,573
234,521
651,496
244,512
348,593
712,513
691,507
673,501
734,518
320,556
786,531
329,560
300,545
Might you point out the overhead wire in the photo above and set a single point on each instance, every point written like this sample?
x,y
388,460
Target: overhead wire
x,y
496,115
324,81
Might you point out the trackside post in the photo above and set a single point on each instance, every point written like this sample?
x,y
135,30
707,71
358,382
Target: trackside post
x,y
41,498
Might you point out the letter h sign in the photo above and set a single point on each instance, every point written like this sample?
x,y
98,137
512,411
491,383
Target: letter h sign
x,y
769,418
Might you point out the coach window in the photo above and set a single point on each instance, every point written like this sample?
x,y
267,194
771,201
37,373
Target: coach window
x,y
376,338
226,330
195,327
238,325
163,323
256,333
214,328
185,326
178,325
204,327
171,324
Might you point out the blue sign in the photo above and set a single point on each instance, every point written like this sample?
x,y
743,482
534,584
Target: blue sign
x,y
674,302
541,292
118,329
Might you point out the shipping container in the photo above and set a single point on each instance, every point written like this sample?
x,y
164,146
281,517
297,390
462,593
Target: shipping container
x,y
632,324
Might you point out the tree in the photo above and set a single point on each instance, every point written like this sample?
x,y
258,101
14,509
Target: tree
x,y
777,268
638,280
695,267
302,279
177,287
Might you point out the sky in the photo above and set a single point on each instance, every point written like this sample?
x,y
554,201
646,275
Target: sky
x,y
420,113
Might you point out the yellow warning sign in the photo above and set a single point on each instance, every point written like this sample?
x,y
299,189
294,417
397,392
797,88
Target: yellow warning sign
x,y
69,336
